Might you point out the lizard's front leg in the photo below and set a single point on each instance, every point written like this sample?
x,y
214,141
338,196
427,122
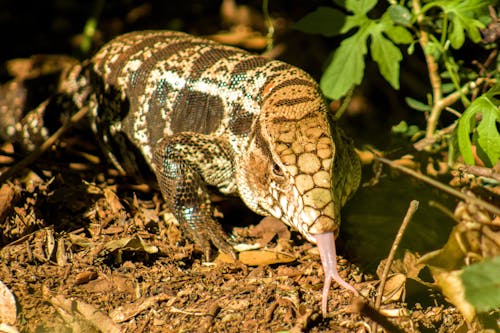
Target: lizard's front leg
x,y
185,164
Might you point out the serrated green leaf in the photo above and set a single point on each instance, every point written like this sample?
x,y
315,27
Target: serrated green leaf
x,y
417,105
327,21
400,15
462,16
399,34
353,21
387,56
482,284
347,66
360,6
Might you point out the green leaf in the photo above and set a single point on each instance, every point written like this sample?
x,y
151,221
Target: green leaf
x,y
400,15
360,6
465,125
417,105
327,21
453,149
387,56
487,138
433,49
347,66
462,17
402,127
353,21
399,34
482,284
457,35
448,87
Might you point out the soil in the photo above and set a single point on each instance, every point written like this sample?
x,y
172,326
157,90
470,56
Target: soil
x,y
84,250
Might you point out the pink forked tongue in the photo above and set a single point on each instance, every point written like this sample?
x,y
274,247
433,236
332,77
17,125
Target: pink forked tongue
x,y
326,246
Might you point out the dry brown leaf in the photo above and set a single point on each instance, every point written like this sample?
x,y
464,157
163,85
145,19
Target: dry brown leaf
x,y
130,244
394,288
113,201
74,310
7,194
265,257
128,311
453,289
8,311
85,277
61,255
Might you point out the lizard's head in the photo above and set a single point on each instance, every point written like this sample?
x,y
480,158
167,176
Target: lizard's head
x,y
291,160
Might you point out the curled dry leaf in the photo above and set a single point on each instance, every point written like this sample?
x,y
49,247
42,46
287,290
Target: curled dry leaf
x,y
113,200
61,255
267,229
394,288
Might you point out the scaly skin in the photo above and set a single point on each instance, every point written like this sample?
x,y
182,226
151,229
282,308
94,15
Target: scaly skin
x,y
198,114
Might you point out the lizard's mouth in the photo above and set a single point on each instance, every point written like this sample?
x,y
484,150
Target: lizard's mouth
x,y
327,251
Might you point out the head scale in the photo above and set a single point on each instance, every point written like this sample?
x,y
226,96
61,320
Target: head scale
x,y
291,157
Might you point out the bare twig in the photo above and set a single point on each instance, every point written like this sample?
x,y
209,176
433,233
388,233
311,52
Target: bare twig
x,y
427,141
380,292
443,187
409,214
43,148
481,171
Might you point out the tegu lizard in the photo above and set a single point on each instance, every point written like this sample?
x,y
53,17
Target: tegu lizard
x,y
199,114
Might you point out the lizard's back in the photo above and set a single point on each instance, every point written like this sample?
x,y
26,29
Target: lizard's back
x,y
180,83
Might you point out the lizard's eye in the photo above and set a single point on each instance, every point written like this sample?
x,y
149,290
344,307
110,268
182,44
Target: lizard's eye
x,y
277,171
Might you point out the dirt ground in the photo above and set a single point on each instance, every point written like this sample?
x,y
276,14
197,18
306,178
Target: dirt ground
x,y
86,251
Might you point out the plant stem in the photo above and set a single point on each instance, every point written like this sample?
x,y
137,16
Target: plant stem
x,y
433,70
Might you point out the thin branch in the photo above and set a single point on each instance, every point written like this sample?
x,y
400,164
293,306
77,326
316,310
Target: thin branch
x,y
443,187
409,214
468,87
33,156
481,171
380,292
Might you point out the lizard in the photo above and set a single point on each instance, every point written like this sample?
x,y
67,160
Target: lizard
x,y
195,113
